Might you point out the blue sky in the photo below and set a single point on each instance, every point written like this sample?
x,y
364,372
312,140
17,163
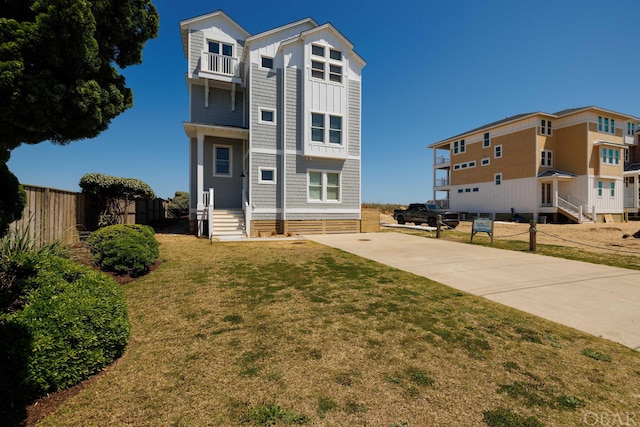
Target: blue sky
x,y
435,68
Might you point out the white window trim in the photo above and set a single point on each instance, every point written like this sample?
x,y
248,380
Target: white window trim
x,y
266,122
275,176
496,177
272,61
495,151
323,196
547,129
548,160
221,175
599,189
328,62
220,42
486,161
486,142
327,130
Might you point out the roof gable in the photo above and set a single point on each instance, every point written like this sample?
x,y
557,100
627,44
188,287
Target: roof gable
x,y
197,21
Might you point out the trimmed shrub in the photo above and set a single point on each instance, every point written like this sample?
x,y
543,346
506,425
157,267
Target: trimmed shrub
x,y
125,248
73,323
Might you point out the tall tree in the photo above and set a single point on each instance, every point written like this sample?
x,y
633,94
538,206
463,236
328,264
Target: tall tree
x,y
60,63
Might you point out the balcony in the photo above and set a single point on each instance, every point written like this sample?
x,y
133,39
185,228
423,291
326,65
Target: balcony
x,y
219,67
440,162
442,182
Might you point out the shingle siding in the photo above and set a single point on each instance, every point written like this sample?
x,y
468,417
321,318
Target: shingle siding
x,y
266,90
354,112
197,47
293,101
219,111
266,195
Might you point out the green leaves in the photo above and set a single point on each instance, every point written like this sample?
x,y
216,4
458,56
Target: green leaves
x,y
58,74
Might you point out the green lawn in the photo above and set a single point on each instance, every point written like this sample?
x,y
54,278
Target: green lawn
x,y
292,332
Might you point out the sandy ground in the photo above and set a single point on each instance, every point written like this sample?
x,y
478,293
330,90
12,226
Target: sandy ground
x,y
591,237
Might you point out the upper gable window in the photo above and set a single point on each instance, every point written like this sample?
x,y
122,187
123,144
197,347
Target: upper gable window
x,y
321,66
267,62
606,125
317,50
335,54
220,48
545,127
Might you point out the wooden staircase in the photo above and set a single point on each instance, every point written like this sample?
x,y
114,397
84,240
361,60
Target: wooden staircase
x,y
228,225
574,215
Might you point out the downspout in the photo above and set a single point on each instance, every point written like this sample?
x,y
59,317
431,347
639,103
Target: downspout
x,y
284,144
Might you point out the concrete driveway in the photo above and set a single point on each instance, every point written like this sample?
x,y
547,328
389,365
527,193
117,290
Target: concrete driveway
x,y
600,300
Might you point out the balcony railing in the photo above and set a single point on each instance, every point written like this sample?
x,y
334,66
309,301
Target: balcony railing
x,y
219,64
442,182
441,159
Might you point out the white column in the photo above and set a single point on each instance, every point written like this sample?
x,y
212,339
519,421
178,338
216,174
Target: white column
x,y
200,170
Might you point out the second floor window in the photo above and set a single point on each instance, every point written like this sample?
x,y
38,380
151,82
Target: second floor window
x,y
497,151
631,128
545,127
610,156
318,128
606,125
486,142
459,147
546,158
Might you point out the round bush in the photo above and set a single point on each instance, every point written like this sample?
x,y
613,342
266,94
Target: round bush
x,y
125,248
74,323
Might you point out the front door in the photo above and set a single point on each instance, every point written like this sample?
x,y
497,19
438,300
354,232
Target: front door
x,y
546,194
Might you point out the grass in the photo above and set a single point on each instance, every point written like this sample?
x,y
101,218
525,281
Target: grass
x,y
610,259
295,333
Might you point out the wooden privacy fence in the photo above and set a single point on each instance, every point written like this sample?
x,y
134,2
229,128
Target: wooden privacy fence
x,y
52,214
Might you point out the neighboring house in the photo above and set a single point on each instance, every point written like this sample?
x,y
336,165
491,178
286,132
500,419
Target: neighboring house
x,y
575,165
274,127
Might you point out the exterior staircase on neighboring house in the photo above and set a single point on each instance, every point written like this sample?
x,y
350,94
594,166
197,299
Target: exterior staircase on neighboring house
x,y
228,225
575,215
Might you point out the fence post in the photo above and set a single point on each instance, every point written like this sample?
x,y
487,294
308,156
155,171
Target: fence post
x,y
532,236
438,226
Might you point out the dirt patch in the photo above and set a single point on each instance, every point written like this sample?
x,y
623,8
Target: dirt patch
x,y
600,238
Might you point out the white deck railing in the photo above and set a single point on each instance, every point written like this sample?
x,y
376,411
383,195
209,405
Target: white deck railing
x,y
219,64
442,182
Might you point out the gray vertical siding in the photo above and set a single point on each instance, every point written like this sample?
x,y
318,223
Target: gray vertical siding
x,y
228,191
196,48
266,90
294,108
353,104
219,111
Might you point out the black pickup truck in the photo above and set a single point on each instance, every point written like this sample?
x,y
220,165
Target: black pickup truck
x,y
419,213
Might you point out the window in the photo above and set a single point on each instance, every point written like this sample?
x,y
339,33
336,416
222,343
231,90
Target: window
x,y
497,178
485,162
604,126
497,151
317,50
612,189
599,188
222,160
626,155
267,175
335,129
267,62
546,158
487,140
333,187
546,193
476,189
460,190
221,48
335,73
631,128
610,156
267,116
459,147
472,164
317,69
319,63
317,127
324,186
545,127
467,190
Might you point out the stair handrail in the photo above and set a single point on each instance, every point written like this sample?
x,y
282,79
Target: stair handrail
x,y
210,213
